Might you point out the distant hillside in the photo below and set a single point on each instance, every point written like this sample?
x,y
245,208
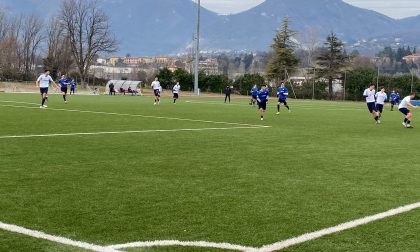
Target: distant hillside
x,y
156,27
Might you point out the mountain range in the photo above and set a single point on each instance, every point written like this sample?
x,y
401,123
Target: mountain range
x,y
160,27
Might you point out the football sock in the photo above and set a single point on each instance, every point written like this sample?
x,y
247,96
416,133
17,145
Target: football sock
x,y
408,122
376,118
287,106
64,97
43,101
278,108
405,120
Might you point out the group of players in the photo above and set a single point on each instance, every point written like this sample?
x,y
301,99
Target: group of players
x,y
260,97
157,89
376,100
44,80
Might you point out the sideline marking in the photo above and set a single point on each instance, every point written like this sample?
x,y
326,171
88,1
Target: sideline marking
x,y
132,115
125,132
336,229
169,243
266,248
53,238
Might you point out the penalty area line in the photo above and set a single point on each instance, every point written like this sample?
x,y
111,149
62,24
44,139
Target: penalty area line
x,y
129,115
53,238
339,228
127,132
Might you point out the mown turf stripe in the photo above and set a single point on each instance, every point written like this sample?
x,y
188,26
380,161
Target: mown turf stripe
x,y
339,228
133,115
53,238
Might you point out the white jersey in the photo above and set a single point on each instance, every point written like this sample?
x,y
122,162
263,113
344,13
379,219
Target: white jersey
x,y
381,98
156,85
44,81
404,102
176,89
370,95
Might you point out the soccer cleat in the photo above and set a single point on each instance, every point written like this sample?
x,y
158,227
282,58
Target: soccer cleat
x,y
41,107
65,102
378,122
45,106
154,103
409,126
278,113
404,124
262,119
290,111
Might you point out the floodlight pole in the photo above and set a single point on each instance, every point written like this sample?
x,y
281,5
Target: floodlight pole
x,y
197,49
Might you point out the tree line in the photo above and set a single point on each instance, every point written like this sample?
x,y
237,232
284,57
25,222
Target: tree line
x,y
72,39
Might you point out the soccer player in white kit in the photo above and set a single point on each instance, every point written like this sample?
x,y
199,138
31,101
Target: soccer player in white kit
x,y
381,97
403,108
176,90
43,82
156,90
369,94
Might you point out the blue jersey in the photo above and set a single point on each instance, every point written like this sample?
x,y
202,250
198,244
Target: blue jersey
x,y
283,92
73,84
63,83
263,95
254,91
393,97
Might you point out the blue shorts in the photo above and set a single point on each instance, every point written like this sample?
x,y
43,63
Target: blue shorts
x,y
254,97
262,105
157,92
405,111
282,101
72,89
372,107
64,89
379,107
43,90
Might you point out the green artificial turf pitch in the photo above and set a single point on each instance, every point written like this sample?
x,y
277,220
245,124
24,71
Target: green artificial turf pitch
x,y
321,165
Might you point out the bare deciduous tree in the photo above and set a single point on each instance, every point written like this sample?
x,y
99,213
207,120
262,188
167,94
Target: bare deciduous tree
x,y
59,56
32,36
88,29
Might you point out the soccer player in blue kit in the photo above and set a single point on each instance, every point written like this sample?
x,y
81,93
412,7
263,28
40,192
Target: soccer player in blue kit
x,y
73,85
262,99
282,93
254,95
63,86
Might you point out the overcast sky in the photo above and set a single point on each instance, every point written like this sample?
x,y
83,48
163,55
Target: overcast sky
x,y
392,8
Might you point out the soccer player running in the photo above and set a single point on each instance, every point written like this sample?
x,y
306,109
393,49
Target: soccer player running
x,y
369,94
175,91
282,93
262,99
381,97
393,99
63,86
156,90
43,82
403,108
73,85
254,95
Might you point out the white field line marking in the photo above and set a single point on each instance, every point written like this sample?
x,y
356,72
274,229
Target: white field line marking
x,y
169,243
303,107
267,248
124,132
341,227
137,115
53,238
